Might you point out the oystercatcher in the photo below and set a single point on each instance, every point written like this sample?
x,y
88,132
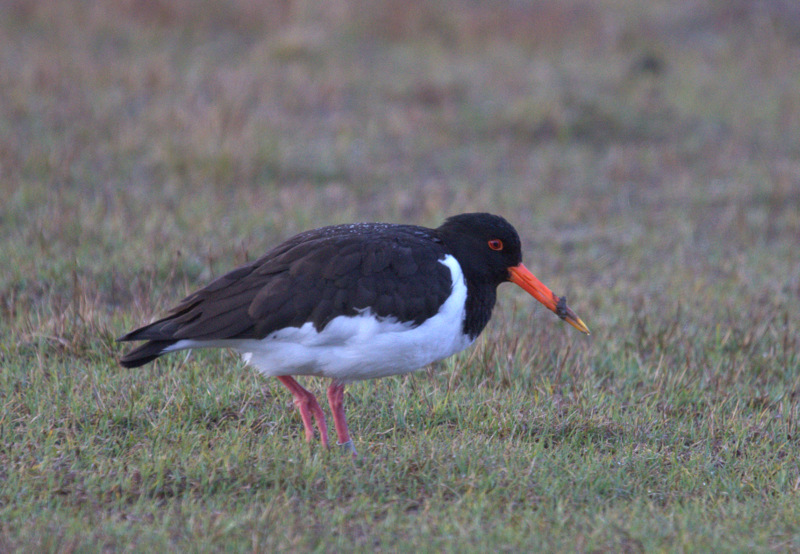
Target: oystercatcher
x,y
353,302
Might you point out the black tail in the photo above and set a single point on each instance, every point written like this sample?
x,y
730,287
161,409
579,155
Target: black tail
x,y
145,353
157,341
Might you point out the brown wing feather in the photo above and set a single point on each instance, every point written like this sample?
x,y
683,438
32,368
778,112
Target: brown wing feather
x,y
392,270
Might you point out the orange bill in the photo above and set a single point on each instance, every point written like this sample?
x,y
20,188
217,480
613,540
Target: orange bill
x,y
519,275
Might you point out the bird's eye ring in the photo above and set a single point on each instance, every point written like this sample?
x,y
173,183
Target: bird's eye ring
x,y
496,244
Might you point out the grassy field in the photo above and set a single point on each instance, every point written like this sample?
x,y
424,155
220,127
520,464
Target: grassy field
x,y
648,153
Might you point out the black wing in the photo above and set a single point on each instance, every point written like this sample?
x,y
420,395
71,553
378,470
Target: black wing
x,y
392,270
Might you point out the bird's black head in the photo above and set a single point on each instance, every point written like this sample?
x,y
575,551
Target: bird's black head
x,y
485,245
488,250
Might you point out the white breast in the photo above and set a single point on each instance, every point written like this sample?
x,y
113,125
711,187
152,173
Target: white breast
x,y
351,348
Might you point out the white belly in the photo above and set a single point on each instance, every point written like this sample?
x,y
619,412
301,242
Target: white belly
x,y
351,348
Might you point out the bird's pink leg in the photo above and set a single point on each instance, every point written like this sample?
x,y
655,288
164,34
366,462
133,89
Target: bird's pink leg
x,y
336,402
308,406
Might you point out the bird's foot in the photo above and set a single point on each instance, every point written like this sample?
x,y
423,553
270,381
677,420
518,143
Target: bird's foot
x,y
348,446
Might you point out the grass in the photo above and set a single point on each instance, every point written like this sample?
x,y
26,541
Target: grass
x,y
647,154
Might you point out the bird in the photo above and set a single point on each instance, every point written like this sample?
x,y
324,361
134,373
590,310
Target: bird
x,y
352,302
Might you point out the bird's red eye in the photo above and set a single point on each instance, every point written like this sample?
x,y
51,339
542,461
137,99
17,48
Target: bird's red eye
x,y
496,244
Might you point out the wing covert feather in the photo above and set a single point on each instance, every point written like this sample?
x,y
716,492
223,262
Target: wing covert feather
x,y
394,271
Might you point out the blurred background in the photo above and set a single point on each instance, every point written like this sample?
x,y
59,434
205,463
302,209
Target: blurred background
x,y
648,152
